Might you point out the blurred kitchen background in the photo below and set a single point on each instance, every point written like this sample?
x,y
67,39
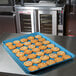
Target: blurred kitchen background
x,y
56,17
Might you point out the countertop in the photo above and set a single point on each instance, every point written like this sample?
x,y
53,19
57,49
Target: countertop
x,y
8,67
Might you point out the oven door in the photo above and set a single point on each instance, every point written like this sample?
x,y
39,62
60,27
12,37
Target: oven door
x,y
47,21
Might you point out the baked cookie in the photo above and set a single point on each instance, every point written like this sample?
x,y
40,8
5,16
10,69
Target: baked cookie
x,y
36,50
42,39
42,47
40,53
23,58
55,49
23,48
12,47
38,43
58,59
27,52
36,60
38,36
53,55
32,56
33,68
31,46
19,54
61,53
50,46
27,43
16,41
23,40
30,38
46,42
41,65
34,41
8,44
15,50
48,51
45,57
28,63
50,62
66,57
19,45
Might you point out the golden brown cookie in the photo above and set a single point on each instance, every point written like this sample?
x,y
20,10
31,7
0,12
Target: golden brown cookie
x,y
28,63
40,53
16,41
23,58
42,39
36,50
36,60
19,45
38,36
66,57
48,51
27,52
42,47
23,48
41,65
53,55
46,42
19,54
15,50
34,41
61,53
12,47
33,68
50,46
8,44
23,40
30,38
32,56
50,62
58,59
31,46
55,49
38,43
27,43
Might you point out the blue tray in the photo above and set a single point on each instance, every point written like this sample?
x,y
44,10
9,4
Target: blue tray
x,y
20,63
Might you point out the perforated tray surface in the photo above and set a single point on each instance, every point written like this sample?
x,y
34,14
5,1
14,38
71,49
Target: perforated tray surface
x,y
20,63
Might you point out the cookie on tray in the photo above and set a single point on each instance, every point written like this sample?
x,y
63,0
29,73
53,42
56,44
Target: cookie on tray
x,y
36,60
15,50
61,53
50,46
11,47
40,53
33,68
45,57
56,49
32,56
23,48
30,38
19,45
50,62
16,41
27,52
31,46
42,65
38,43
34,41
66,57
27,43
19,54
23,58
48,51
23,40
42,47
28,63
42,39
36,50
53,55
58,59
46,42
8,43
38,36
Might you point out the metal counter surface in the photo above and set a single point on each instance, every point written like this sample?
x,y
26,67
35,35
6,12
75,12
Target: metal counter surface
x,y
8,67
